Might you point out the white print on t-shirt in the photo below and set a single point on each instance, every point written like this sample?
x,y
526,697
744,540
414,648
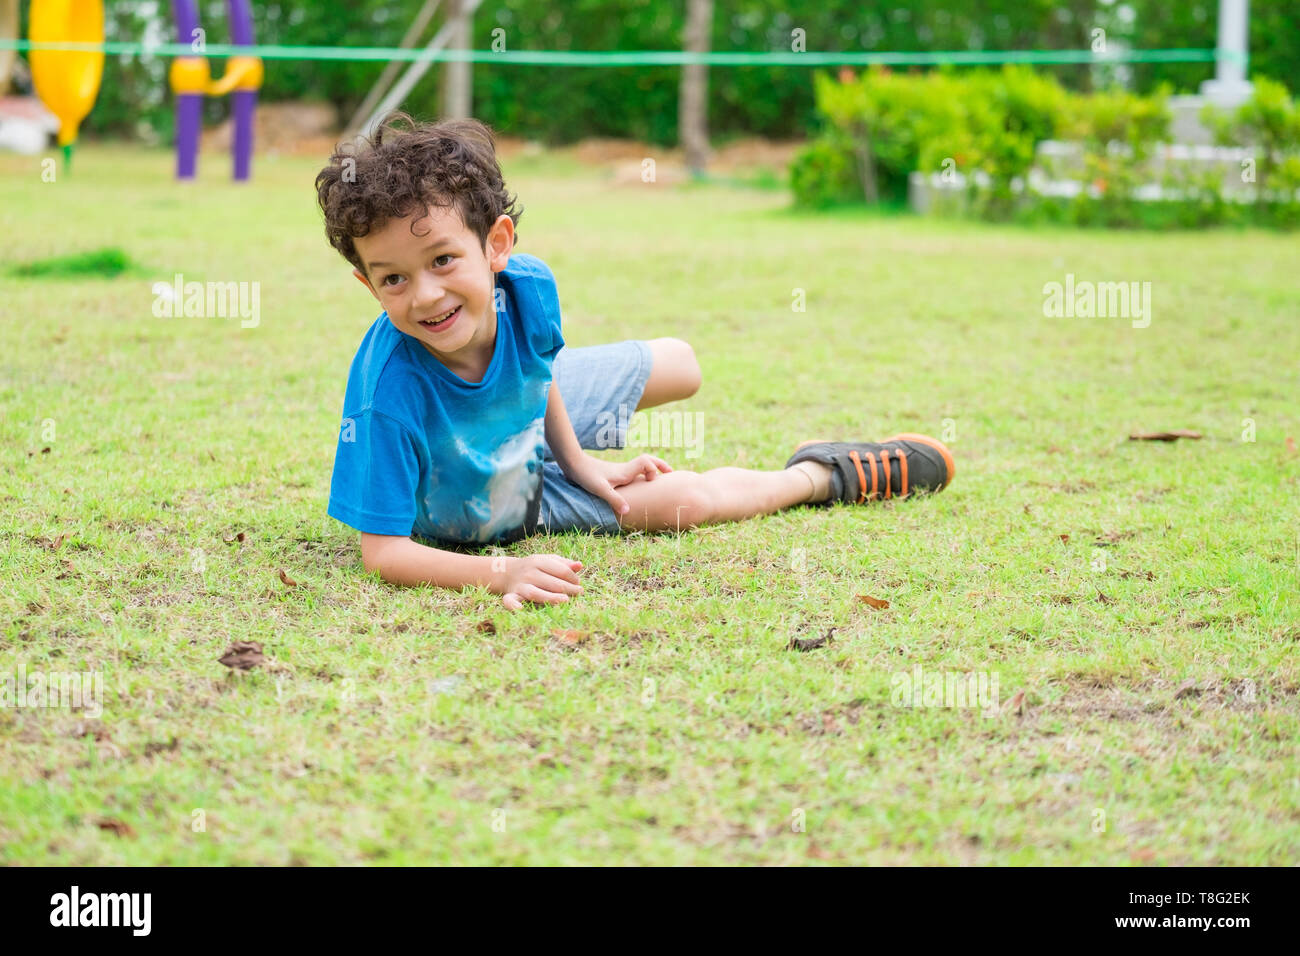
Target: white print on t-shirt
x,y
512,484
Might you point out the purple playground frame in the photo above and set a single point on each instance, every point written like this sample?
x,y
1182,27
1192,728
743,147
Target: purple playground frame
x,y
189,106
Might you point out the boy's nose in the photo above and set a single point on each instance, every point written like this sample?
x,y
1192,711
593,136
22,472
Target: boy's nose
x,y
428,293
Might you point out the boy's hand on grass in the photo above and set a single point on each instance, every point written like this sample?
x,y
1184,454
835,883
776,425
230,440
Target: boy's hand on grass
x,y
539,578
601,477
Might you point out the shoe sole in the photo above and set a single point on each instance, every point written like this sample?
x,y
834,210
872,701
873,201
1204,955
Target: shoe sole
x,y
934,443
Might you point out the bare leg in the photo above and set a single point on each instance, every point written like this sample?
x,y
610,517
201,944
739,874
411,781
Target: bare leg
x,y
674,373
681,499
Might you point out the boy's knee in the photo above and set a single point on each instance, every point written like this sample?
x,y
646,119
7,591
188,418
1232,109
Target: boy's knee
x,y
678,357
691,374
694,504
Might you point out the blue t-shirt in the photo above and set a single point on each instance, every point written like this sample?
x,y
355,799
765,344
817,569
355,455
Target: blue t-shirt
x,y
421,451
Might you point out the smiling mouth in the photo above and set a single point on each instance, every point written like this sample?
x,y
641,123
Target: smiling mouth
x,y
440,323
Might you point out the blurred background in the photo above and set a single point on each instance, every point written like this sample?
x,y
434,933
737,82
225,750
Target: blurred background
x,y
1082,111
1087,142
641,102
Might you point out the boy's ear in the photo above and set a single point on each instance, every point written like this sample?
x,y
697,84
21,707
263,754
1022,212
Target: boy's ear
x,y
500,242
361,277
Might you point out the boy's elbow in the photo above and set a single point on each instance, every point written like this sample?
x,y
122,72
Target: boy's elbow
x,y
375,553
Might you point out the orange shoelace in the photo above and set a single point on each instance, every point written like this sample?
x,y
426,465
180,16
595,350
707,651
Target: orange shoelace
x,y
884,466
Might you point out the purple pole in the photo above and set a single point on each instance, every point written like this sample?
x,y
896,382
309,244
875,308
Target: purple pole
x,y
189,106
241,22
241,34
189,113
242,147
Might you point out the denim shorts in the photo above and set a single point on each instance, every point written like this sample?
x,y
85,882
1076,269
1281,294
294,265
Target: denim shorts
x,y
601,386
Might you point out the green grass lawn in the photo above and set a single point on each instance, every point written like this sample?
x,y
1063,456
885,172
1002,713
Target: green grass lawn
x,y
1156,648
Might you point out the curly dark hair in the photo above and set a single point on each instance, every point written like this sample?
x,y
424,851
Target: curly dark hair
x,y
405,167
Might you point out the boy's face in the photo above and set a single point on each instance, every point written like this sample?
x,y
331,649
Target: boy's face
x,y
419,277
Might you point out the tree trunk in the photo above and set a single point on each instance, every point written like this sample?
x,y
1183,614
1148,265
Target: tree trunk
x,y
457,77
693,100
866,165
8,31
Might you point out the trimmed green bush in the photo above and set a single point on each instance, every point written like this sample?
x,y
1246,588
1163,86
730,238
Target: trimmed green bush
x,y
822,174
1270,121
986,126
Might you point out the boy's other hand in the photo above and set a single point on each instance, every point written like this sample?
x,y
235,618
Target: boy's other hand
x,y
538,578
601,477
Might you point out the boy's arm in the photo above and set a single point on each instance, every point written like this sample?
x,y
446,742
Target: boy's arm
x,y
594,474
559,432
540,578
400,560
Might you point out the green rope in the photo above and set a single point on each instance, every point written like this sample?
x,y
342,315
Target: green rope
x,y
67,158
636,57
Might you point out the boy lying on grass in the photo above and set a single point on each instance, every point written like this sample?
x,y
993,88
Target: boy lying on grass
x,y
465,418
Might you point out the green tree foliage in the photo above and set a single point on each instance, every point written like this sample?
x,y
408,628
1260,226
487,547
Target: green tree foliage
x,y
561,104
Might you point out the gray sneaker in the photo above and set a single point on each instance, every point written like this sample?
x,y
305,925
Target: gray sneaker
x,y
894,468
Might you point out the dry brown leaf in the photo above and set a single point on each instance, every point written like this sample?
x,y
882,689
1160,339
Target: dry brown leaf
x,y
1065,538
1187,688
288,581
243,655
571,638
1016,704
1164,436
1145,575
239,536
486,627
119,827
1105,599
877,603
1290,444
155,747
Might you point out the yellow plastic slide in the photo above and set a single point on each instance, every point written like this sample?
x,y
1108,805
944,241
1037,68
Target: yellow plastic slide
x,y
67,81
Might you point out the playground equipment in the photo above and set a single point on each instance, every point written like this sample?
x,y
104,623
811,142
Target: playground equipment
x,y
67,81
191,81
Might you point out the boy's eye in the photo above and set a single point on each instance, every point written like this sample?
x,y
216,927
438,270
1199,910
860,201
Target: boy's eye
x,y
391,279
443,256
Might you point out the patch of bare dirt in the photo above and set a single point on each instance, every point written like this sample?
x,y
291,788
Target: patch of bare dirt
x,y
626,158
292,128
